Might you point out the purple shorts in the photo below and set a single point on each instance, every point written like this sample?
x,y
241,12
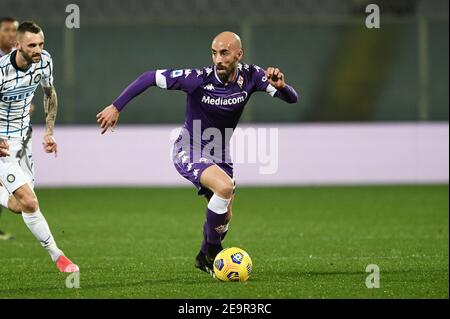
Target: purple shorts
x,y
193,171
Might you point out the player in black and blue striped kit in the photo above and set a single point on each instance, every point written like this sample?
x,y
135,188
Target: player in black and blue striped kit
x,y
21,72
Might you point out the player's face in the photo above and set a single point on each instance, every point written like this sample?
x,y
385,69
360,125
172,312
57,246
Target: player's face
x,y
8,32
30,45
225,59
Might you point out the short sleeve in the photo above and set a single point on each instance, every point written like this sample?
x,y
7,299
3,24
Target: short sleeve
x,y
47,71
187,80
260,80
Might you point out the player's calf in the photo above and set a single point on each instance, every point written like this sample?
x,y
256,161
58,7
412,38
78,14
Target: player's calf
x,y
35,221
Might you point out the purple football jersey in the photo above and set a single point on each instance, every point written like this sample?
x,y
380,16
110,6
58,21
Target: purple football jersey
x,y
213,109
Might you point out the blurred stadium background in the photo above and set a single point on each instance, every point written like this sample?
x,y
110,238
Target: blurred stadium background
x,y
373,109
345,74
345,71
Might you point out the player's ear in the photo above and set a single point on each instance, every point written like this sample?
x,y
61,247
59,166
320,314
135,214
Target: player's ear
x,y
240,55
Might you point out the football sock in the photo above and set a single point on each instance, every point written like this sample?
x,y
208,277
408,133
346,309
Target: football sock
x,y
215,220
225,231
39,228
222,237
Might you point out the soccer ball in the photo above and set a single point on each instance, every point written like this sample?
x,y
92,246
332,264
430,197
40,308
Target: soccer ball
x,y
233,264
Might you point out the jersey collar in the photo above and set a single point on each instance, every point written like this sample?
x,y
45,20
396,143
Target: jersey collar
x,y
14,64
220,81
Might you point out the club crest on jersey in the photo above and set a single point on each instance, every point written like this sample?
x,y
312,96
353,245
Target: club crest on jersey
x,y
37,78
176,73
11,178
240,81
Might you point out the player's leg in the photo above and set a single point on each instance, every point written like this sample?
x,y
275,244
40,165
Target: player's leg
x,y
21,150
36,223
221,185
227,222
13,178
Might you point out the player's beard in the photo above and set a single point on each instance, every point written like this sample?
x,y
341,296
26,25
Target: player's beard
x,y
224,77
29,58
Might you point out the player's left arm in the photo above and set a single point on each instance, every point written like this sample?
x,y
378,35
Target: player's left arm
x,y
50,104
272,81
284,91
51,109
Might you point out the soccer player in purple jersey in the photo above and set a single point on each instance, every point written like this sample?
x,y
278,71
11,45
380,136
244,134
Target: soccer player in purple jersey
x,y
216,96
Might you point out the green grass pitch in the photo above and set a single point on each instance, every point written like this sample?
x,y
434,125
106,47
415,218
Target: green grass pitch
x,y
305,242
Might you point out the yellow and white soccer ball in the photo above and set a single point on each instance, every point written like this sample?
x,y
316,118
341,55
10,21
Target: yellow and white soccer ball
x,y
233,264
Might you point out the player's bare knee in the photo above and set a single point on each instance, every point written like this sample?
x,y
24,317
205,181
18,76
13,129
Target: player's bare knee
x,y
29,204
225,189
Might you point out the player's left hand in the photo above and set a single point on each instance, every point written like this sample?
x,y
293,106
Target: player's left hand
x,y
275,77
50,145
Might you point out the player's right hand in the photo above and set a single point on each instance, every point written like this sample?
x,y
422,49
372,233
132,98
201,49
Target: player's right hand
x,y
4,148
108,118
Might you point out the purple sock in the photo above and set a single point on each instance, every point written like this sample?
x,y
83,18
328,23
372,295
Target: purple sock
x,y
213,228
204,241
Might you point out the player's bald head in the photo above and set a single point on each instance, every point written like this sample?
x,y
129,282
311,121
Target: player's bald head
x,y
226,52
228,40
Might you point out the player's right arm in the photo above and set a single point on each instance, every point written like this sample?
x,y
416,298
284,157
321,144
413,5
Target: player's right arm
x,y
186,80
